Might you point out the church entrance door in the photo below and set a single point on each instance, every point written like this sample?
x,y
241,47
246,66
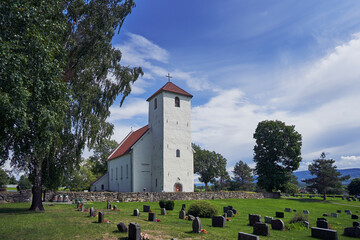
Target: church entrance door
x,y
178,187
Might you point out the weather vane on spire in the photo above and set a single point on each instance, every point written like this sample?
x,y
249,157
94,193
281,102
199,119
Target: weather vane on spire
x,y
168,76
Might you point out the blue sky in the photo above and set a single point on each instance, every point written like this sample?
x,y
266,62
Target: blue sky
x,y
249,61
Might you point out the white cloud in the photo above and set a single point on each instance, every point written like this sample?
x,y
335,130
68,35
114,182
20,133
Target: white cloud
x,y
348,162
131,108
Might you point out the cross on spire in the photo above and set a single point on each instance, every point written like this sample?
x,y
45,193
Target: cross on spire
x,y
168,76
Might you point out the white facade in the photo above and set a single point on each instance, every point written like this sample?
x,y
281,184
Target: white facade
x,y
159,157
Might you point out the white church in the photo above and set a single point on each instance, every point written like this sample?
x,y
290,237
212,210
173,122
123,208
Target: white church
x,y
157,157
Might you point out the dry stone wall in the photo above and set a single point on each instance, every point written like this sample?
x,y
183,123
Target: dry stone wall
x,y
11,197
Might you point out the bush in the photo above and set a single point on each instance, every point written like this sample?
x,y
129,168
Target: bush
x,y
203,209
167,204
299,217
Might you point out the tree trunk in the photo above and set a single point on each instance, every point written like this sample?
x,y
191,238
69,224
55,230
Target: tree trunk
x,y
36,204
324,197
206,187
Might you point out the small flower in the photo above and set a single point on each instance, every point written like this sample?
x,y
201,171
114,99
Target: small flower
x,y
151,211
228,219
237,213
118,210
85,210
158,220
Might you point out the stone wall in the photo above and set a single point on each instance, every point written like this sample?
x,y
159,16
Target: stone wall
x,y
11,197
156,196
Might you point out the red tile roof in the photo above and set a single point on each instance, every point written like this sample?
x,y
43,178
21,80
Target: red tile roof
x,y
126,144
170,87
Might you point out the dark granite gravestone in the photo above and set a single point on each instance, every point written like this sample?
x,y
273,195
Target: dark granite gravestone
x,y
277,224
356,224
218,221
352,232
325,215
268,219
354,216
338,211
306,224
225,209
230,207
163,211
91,212
134,232
247,236
287,209
196,225
146,208
279,214
136,212
322,224
122,227
191,217
335,215
261,229
108,205
348,212
115,207
151,217
101,217
253,218
234,211
306,212
294,210
183,207
324,233
182,214
230,213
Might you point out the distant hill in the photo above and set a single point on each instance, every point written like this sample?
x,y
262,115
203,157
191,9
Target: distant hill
x,y
353,172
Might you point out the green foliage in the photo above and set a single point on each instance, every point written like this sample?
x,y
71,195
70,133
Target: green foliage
x,y
243,177
291,188
12,180
80,179
354,187
327,177
4,178
277,154
102,151
24,183
299,217
167,204
209,165
203,209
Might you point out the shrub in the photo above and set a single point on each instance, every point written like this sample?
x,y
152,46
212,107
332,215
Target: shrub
x,y
167,204
299,217
202,209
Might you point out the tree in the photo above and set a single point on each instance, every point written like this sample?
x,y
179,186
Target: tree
x,y
354,187
277,153
24,183
4,178
243,176
101,153
327,177
12,180
81,178
223,181
59,75
209,165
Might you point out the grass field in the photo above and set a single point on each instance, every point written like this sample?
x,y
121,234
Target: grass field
x,y
65,222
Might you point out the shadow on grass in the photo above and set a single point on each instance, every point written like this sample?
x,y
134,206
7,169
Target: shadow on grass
x,y
306,200
18,211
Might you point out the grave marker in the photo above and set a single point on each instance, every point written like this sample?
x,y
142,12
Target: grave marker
x,y
356,224
218,221
134,232
136,212
191,217
196,225
352,232
279,214
253,218
268,219
230,213
324,233
322,224
306,212
261,229
335,215
122,227
151,217
163,211
182,214
277,224
247,236
287,209
354,216
101,217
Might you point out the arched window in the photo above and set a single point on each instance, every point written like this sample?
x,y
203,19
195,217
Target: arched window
x,y
177,153
177,102
155,103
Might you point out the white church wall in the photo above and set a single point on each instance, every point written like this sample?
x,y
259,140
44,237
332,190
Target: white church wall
x,y
141,153
102,184
120,174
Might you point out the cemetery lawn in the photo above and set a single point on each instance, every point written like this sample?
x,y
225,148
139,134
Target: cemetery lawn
x,y
64,221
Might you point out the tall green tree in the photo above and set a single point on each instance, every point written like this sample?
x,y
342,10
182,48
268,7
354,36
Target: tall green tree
x,y
59,74
327,177
81,178
101,153
243,176
277,153
4,178
209,165
24,182
354,187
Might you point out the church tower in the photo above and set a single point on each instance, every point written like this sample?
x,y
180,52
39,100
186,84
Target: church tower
x,y
172,167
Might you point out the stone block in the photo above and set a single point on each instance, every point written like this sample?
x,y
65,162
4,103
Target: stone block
x,y
122,227
163,211
247,236
353,216
234,211
230,213
306,212
268,219
324,233
352,232
287,209
101,217
182,214
134,232
151,217
225,209
356,224
321,219
196,225
279,214
218,221
277,224
253,218
261,229
191,217
322,224
338,211
335,215
146,208
136,212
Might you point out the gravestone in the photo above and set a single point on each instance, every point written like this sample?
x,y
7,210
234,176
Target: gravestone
x,y
196,225
335,215
279,214
294,210
115,207
324,233
183,207
101,217
352,232
338,211
322,224
225,215
134,232
136,212
163,211
230,213
122,227
306,212
325,215
82,207
348,212
234,211
78,204
151,217
247,236
182,214
191,217
268,219
253,218
225,209
277,224
261,229
356,224
108,205
218,221
146,208
306,224
91,212
354,216
287,209
230,207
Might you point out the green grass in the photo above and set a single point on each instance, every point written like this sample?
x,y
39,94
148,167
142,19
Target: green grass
x,y
11,188
65,222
